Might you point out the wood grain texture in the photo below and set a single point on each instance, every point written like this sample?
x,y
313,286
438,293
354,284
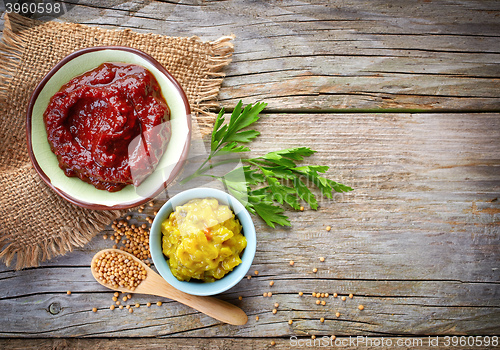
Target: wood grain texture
x,y
416,243
334,55
422,343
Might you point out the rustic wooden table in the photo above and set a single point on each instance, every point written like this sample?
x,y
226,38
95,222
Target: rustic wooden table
x,y
402,101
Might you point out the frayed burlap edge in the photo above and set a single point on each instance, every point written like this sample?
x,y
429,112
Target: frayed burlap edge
x,y
222,52
12,46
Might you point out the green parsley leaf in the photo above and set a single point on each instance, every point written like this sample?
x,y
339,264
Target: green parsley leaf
x,y
265,183
230,133
271,214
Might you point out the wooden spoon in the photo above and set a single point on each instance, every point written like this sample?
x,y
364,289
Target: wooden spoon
x,y
154,284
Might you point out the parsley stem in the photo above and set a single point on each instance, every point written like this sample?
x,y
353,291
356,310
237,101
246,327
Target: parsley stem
x,y
203,169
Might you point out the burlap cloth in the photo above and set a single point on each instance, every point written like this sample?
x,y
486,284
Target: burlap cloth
x,y
35,223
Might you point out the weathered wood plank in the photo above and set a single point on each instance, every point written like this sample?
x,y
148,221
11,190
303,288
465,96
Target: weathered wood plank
x,y
423,343
416,243
334,55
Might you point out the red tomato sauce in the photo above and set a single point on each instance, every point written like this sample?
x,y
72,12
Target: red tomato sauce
x,y
109,126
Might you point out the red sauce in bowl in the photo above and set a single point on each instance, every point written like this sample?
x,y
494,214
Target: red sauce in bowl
x,y
109,126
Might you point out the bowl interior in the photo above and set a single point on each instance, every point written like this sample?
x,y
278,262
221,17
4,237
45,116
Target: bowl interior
x,y
229,280
80,191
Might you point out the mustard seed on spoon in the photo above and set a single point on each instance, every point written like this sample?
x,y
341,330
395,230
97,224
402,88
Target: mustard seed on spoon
x,y
119,270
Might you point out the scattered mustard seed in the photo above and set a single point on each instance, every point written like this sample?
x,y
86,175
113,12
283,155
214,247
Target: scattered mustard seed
x,y
68,292
271,283
256,318
318,302
94,309
313,337
148,304
335,295
264,295
270,294
249,277
301,208
124,299
114,298
240,298
322,295
273,343
290,321
137,305
322,319
337,314
276,305
112,307
275,311
343,298
256,272
321,259
129,296
328,228
159,303
120,307
127,307
301,294
323,302
333,337
105,237
130,310
361,307
116,295
327,295
292,262
117,302
314,295
315,270
351,296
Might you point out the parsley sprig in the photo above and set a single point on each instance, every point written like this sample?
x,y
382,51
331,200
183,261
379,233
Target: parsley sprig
x,y
264,184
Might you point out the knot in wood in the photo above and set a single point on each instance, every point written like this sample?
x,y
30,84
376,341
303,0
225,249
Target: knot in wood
x,y
55,308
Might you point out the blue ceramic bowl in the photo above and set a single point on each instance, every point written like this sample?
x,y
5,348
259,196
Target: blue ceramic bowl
x,y
201,288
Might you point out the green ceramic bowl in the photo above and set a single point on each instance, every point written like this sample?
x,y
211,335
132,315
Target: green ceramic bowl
x,y
72,188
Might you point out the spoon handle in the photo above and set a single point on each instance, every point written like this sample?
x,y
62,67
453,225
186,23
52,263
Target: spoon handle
x,y
213,307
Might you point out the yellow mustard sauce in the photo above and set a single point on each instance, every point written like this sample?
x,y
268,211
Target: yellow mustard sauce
x,y
202,240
